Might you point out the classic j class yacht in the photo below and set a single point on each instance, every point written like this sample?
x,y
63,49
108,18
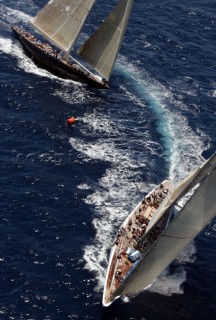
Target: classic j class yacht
x,y
60,23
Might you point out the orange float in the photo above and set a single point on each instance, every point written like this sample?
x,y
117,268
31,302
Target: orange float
x,y
70,121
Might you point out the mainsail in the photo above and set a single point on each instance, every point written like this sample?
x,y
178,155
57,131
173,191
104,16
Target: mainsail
x,y
102,48
191,219
60,21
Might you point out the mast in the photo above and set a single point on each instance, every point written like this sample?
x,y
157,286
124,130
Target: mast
x,y
191,219
102,48
60,21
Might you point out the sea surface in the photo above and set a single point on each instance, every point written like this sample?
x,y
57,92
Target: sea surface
x,y
65,190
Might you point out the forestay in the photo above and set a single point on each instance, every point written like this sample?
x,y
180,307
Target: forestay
x,y
102,48
60,21
194,216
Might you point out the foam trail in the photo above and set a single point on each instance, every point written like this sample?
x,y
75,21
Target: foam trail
x,y
8,47
154,100
13,16
182,146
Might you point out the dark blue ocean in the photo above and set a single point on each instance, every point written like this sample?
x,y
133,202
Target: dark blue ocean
x,y
64,191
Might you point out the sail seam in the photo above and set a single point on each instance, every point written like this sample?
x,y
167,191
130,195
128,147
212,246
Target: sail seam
x,y
165,235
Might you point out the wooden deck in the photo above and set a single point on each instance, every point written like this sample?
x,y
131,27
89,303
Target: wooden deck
x,y
129,235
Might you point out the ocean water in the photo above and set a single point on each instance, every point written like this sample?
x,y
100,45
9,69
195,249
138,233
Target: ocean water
x,y
64,191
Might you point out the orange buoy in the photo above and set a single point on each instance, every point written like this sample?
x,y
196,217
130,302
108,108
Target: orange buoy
x,y
71,121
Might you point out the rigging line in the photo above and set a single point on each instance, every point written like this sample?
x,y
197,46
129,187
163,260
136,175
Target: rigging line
x,y
164,235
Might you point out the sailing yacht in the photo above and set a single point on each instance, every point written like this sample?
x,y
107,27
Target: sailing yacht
x,y
60,23
160,226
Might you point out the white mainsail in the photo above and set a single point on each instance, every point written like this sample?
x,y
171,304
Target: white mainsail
x,y
191,219
102,48
60,21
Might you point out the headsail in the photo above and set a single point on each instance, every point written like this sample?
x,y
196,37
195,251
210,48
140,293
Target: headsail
x,y
102,48
192,218
60,21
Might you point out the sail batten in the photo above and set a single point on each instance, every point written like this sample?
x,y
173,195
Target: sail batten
x,y
60,21
102,48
